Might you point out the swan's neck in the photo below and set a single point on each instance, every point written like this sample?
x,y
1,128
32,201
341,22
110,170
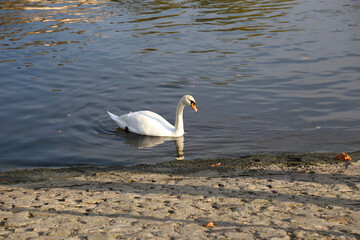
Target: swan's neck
x,y
179,123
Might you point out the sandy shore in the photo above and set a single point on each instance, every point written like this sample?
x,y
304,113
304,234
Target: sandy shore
x,y
284,196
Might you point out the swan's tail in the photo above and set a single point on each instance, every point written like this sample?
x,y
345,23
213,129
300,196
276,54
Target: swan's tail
x,y
113,116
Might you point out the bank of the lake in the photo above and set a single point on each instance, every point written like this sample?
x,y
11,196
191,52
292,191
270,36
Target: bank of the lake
x,y
283,196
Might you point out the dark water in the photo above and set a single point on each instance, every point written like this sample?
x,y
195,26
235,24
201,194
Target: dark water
x,y
267,76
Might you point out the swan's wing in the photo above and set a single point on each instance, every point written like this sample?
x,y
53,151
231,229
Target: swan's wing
x,y
156,117
144,123
147,123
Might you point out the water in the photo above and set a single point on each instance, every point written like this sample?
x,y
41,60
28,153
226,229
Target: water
x,y
267,76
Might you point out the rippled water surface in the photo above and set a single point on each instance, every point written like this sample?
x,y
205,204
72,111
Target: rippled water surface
x,y
267,76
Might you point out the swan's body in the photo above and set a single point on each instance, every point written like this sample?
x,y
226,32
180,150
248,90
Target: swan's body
x,y
152,124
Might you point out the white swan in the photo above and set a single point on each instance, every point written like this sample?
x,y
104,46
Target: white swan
x,y
152,124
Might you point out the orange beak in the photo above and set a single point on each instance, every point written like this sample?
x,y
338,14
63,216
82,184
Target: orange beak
x,y
194,107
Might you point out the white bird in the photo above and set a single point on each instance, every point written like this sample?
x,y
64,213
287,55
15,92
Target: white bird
x,y
152,124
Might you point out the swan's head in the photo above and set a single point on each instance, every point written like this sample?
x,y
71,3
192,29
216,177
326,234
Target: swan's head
x,y
189,100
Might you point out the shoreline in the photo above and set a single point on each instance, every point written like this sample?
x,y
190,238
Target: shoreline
x,y
284,196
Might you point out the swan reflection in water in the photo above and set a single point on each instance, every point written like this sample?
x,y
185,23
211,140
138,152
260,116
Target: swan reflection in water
x,y
142,141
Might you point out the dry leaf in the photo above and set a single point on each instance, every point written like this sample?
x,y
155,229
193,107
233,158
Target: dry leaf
x,y
208,225
343,157
216,164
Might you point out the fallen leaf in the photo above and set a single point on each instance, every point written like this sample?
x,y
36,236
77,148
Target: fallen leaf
x,y
59,131
208,225
305,58
69,115
216,164
343,157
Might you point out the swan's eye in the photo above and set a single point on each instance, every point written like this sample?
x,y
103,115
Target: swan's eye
x,y
192,102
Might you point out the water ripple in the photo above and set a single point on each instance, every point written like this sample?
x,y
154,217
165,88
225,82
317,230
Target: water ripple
x,y
267,75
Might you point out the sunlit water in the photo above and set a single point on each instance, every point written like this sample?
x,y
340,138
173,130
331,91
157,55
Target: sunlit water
x,y
268,76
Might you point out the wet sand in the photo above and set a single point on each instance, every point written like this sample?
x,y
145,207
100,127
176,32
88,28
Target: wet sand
x,y
282,196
